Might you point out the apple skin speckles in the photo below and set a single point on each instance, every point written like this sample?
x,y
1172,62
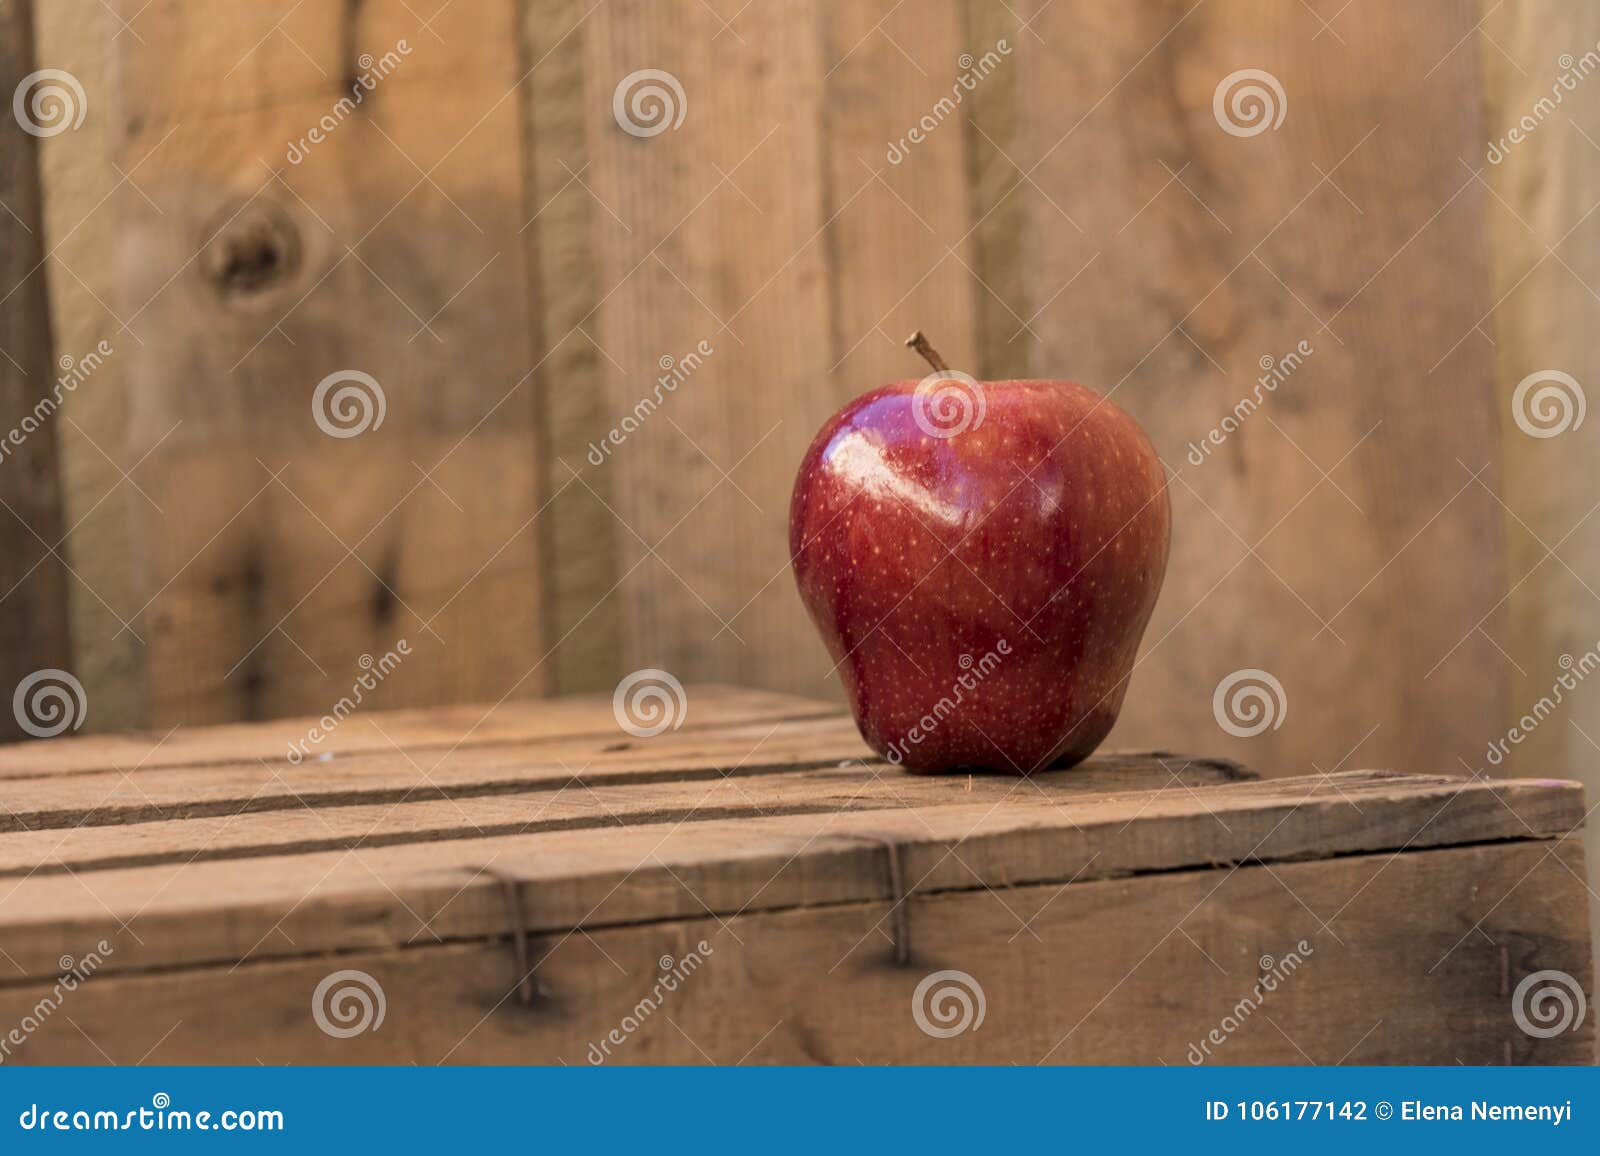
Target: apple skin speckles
x,y
984,593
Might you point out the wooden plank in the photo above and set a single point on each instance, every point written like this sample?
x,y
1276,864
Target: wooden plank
x,y
899,250
1139,970
200,912
999,230
1546,264
801,276
387,248
33,624
583,606
714,233
575,719
83,191
117,798
389,777
751,780
1353,226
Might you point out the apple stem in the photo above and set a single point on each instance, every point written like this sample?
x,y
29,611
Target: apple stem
x,y
920,343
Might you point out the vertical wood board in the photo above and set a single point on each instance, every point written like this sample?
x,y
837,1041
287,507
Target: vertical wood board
x,y
1332,533
33,595
298,539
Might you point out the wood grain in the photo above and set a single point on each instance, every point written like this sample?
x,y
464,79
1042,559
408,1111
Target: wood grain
x,y
589,718
33,593
749,779
771,225
582,605
621,273
482,854
118,798
1352,226
1133,971
714,234
278,555
82,191
1543,228
209,912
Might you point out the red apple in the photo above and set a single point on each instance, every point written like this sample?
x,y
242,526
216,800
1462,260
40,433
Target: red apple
x,y
981,559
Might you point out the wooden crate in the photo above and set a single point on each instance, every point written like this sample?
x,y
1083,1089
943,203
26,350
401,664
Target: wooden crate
x,y
532,884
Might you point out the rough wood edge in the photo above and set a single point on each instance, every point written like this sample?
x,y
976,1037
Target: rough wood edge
x,y
633,875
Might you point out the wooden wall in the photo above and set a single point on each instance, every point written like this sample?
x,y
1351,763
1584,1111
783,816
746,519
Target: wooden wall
x,y
249,558
33,576
1372,535
1544,221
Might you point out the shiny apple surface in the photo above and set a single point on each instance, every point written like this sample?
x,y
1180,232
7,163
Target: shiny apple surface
x,y
981,567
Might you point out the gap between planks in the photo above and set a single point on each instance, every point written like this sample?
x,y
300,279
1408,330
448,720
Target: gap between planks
x,y
114,797
385,897
553,722
50,842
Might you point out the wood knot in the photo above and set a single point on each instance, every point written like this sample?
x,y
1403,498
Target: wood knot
x,y
253,250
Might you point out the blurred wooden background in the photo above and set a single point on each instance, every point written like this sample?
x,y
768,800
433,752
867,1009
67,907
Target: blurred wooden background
x,y
484,239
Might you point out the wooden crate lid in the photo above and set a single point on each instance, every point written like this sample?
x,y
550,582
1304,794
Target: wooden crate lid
x,y
208,846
